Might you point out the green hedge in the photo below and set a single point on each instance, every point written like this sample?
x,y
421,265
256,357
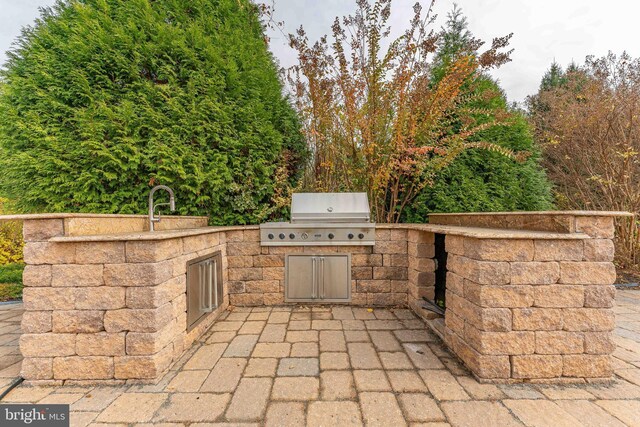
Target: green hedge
x,y
103,99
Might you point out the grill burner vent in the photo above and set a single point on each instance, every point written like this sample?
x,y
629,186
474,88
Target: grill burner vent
x,y
323,219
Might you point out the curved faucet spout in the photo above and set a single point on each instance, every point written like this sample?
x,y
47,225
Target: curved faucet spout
x,y
172,204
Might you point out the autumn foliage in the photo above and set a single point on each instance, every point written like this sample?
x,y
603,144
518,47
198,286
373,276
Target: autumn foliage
x,y
587,121
375,118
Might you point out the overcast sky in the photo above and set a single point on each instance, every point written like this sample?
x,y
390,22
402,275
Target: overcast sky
x,y
544,30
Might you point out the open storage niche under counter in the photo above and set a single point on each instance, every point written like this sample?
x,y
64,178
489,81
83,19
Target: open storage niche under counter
x,y
318,278
204,287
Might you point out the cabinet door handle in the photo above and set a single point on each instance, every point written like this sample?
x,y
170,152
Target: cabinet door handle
x,y
314,280
215,283
322,269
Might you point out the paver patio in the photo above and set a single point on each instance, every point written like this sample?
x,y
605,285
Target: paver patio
x,y
338,366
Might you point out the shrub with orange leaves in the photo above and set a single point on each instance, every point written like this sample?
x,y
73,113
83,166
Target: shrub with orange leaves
x,y
375,118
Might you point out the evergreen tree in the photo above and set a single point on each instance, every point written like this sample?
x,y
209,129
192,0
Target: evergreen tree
x,y
480,180
102,99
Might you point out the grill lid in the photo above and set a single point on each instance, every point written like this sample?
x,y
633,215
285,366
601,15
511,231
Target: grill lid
x,y
329,207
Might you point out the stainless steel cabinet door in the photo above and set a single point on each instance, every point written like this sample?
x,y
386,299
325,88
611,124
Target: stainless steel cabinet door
x,y
334,277
301,271
195,292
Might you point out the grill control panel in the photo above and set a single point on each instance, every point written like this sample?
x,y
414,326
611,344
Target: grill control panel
x,y
285,234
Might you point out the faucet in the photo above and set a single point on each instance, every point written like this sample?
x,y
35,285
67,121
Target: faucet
x,y
172,205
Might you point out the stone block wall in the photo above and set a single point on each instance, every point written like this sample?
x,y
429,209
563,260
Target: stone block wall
x,y
380,274
106,311
533,309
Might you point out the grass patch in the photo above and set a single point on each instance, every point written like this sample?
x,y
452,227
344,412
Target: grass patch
x,y
11,282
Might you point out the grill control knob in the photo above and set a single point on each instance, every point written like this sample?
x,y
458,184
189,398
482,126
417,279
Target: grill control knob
x,y
270,236
292,236
331,236
281,235
360,236
304,236
350,235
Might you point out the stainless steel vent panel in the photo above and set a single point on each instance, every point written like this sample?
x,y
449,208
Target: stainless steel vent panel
x,y
329,207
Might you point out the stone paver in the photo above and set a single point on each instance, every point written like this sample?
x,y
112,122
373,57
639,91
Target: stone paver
x,y
346,366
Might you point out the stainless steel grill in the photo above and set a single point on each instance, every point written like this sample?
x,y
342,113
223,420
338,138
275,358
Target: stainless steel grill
x,y
323,219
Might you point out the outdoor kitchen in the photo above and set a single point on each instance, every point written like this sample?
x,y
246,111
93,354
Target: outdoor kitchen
x,y
528,296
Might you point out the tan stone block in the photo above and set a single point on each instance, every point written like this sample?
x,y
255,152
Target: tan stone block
x,y
155,296
47,298
201,242
587,366
366,260
422,264
34,230
234,236
36,275
487,367
383,234
396,260
243,248
498,249
587,273
374,286
499,296
76,275
251,235
454,322
37,368
596,226
137,274
537,319
558,250
268,260
391,273
399,286
245,274
83,368
49,253
421,250
143,367
398,234
77,321
421,279
137,320
558,296
273,298
600,250
599,296
383,299
246,299
599,343
536,366
98,298
559,342
500,343
455,283
100,252
236,287
454,244
146,343
534,273
240,261
47,345
483,272
153,250
417,236
36,322
100,344
273,273
390,247
588,319
262,286
362,273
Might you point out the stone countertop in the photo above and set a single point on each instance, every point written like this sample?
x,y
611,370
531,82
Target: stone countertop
x,y
476,232
86,215
150,235
533,213
487,233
